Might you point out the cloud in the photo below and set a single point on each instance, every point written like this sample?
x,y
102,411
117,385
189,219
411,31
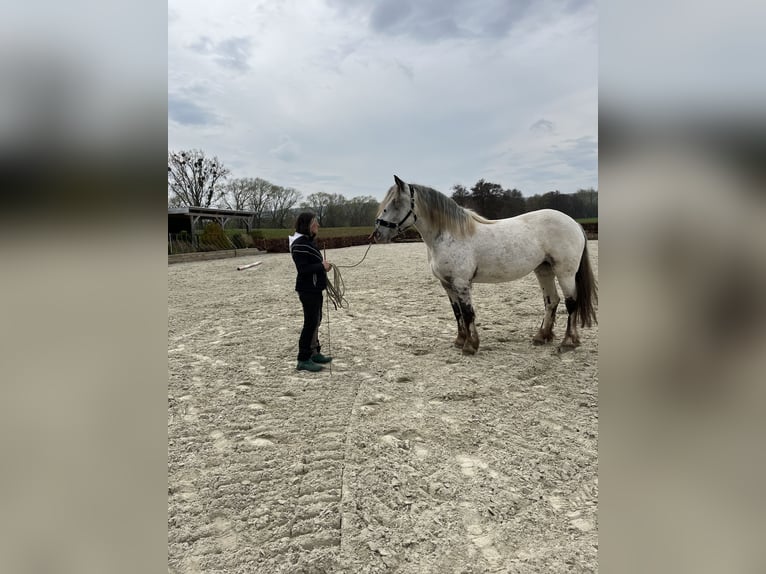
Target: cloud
x,y
566,165
542,126
232,53
287,150
386,15
436,20
580,153
203,45
447,91
504,17
187,112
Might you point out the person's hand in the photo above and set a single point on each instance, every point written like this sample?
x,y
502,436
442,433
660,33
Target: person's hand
x,y
326,264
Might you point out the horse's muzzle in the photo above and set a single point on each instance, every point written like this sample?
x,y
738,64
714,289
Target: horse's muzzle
x,y
381,236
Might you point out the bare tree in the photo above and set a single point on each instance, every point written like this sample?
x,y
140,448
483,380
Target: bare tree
x,y
318,203
282,200
236,193
193,179
260,198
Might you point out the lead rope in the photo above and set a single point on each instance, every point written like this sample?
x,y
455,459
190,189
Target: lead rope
x,y
329,340
336,290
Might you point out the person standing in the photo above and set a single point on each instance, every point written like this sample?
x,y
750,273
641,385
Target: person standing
x,y
311,281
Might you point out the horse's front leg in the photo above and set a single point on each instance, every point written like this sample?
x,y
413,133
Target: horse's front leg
x,y
453,299
471,344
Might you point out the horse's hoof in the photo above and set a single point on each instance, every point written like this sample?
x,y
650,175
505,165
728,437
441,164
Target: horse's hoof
x,y
469,350
567,346
542,338
459,343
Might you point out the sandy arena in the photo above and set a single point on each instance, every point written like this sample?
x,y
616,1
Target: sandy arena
x,y
406,456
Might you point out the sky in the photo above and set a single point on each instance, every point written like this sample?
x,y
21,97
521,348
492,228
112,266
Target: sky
x,y
337,96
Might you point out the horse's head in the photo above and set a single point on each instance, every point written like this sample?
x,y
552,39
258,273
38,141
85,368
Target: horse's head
x,y
397,212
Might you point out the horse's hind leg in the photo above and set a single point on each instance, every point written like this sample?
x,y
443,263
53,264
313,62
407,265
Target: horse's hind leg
x,y
453,299
546,278
571,337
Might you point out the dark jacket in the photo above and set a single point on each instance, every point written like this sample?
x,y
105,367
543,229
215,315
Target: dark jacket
x,y
308,262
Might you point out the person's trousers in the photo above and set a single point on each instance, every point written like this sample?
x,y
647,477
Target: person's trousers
x,y
308,344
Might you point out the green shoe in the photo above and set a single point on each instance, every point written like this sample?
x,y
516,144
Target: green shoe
x,y
309,366
320,358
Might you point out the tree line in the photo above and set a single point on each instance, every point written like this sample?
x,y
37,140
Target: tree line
x,y
493,202
199,181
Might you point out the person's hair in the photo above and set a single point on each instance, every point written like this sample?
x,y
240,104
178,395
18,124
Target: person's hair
x,y
303,223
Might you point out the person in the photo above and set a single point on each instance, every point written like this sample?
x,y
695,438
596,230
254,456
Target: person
x,y
311,281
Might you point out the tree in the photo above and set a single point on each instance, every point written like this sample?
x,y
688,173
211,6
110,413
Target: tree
x,y
513,203
281,201
588,200
236,194
318,202
487,198
335,214
362,210
260,198
535,202
193,179
460,195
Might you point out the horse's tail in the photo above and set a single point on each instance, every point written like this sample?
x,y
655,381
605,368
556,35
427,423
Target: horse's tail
x,y
587,291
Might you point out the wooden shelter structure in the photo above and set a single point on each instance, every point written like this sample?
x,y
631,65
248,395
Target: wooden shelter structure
x,y
187,218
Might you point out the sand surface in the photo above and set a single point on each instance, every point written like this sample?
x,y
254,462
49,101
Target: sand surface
x,y
406,457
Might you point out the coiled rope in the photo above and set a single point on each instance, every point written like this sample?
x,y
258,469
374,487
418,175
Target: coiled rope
x,y
336,288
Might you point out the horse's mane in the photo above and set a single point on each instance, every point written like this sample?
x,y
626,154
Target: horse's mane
x,y
442,212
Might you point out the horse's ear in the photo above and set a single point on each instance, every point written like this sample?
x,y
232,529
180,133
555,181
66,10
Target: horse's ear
x,y
399,183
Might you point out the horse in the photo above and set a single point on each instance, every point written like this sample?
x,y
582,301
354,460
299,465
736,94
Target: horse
x,y
466,248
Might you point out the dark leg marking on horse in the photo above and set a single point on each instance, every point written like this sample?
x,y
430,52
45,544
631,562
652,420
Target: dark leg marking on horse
x,y
456,310
461,329
468,313
571,304
461,332
571,307
472,337
571,338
